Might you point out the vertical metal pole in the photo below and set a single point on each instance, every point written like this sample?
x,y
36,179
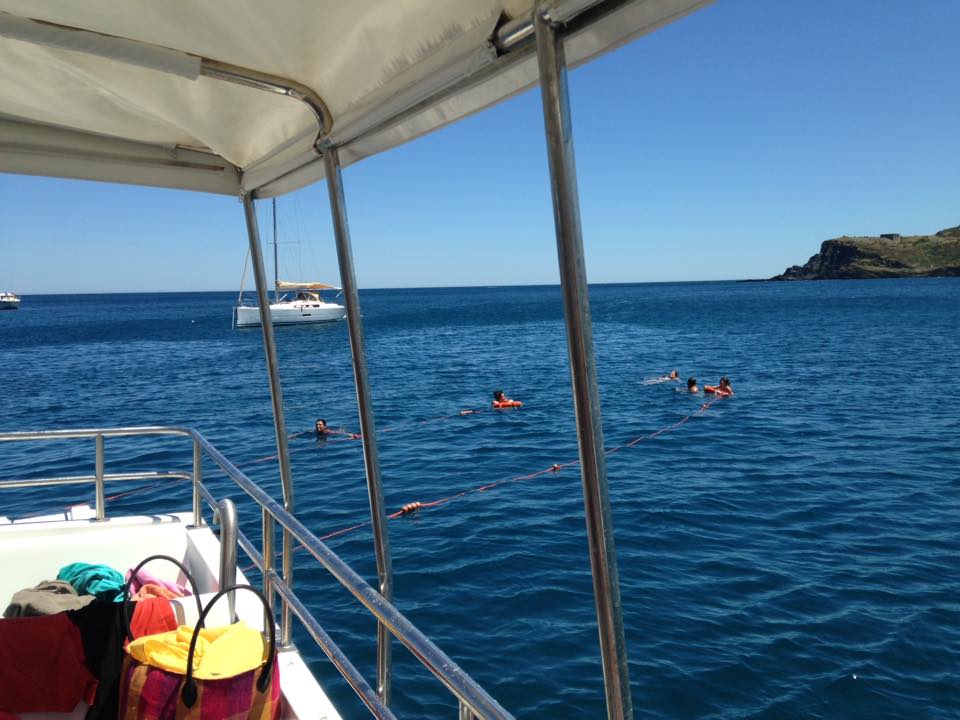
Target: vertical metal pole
x,y
197,482
276,270
268,556
226,517
378,515
276,394
101,502
586,397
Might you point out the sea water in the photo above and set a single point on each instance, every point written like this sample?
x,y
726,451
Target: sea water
x,y
791,552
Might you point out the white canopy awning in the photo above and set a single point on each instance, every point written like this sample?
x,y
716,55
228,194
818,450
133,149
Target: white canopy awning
x,y
286,285
139,91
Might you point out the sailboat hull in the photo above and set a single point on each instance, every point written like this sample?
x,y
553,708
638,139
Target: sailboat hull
x,y
291,313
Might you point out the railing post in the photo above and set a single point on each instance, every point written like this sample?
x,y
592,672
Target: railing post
x,y
101,502
586,397
276,395
465,712
226,517
197,482
378,515
268,556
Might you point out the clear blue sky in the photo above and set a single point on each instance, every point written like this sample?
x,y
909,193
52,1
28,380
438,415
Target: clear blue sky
x,y
727,145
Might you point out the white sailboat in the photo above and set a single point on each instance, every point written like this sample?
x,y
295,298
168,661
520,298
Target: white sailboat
x,y
9,301
294,303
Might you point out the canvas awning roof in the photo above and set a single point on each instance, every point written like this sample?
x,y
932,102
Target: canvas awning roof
x,y
145,92
285,286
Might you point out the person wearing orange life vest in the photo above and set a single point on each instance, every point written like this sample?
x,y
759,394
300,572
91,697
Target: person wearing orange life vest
x,y
722,390
501,401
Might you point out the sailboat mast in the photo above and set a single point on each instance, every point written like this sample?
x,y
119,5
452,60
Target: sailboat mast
x,y
276,292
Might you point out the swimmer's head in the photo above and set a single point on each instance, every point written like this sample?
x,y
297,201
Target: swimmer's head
x,y
498,395
691,383
724,381
674,375
321,425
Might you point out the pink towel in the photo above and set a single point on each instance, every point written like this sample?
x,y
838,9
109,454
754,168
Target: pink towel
x,y
145,576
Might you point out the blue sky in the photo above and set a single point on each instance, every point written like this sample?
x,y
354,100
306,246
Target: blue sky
x,y
727,145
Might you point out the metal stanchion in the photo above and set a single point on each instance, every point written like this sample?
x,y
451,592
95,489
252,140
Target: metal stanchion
x,y
583,372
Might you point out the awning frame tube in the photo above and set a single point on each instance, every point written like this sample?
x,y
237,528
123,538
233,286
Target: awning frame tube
x,y
551,62
276,397
371,459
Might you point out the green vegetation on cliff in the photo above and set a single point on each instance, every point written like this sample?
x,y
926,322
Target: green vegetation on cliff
x,y
882,257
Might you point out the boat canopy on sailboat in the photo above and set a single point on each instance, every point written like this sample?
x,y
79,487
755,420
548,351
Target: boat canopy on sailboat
x,y
231,96
287,286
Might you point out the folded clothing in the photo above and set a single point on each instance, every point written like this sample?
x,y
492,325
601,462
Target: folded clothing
x,y
42,665
152,616
101,581
47,598
221,652
145,577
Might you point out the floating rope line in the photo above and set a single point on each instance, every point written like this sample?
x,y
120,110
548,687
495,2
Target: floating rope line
x,y
413,507
347,435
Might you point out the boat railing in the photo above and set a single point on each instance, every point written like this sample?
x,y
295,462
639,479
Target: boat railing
x,y
474,701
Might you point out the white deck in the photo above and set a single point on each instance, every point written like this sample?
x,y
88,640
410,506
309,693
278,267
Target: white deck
x,y
33,551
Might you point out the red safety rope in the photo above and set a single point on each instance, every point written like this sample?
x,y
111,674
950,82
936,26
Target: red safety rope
x,y
415,506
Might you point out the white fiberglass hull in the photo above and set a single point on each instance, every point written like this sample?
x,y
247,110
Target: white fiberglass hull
x,y
292,313
9,303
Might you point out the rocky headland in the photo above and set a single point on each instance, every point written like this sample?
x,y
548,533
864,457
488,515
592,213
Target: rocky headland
x,y
887,256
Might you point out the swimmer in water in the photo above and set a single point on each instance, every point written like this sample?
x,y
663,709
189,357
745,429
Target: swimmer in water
x,y
673,376
502,401
321,427
692,385
723,390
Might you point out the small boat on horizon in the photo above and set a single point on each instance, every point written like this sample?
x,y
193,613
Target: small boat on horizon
x,y
9,301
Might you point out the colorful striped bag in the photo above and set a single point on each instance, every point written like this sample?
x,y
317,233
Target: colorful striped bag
x,y
154,693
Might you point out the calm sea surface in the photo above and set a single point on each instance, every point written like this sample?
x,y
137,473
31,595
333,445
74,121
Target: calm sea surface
x,y
792,552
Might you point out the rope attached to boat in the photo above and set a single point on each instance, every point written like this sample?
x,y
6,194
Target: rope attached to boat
x,y
414,507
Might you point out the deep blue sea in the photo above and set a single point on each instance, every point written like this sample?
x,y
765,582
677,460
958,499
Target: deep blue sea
x,y
792,552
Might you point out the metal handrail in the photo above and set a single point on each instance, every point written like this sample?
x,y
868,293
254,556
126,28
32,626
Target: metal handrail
x,y
470,695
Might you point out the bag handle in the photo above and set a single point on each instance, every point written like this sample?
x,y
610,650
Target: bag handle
x,y
133,573
189,692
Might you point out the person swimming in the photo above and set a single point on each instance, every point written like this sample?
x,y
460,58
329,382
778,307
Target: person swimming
x,y
501,401
320,427
673,376
724,389
692,385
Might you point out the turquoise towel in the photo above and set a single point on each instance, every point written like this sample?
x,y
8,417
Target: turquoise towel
x,y
101,581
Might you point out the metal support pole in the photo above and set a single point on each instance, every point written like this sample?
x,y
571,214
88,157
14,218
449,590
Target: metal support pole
x,y
268,556
226,517
378,515
101,502
586,397
276,395
197,482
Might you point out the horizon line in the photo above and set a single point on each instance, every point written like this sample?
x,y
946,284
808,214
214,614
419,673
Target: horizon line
x,y
399,287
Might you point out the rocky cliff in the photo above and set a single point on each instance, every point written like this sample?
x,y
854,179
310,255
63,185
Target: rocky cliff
x,y
882,257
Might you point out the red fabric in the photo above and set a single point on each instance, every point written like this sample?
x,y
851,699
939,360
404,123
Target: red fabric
x,y
42,665
151,616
